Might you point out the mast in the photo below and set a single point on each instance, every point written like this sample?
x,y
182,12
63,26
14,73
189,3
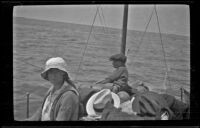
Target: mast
x,y
124,29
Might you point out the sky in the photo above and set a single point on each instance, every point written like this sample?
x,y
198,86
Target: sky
x,y
173,19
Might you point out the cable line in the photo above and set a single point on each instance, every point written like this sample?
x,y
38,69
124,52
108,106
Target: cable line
x,y
86,45
166,67
101,20
104,19
40,68
141,40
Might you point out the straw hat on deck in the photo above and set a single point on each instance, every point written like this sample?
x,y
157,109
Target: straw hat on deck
x,y
97,102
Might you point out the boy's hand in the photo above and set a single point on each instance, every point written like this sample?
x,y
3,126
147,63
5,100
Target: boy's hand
x,y
115,89
105,81
98,82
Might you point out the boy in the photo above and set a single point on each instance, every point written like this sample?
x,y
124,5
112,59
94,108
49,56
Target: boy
x,y
119,77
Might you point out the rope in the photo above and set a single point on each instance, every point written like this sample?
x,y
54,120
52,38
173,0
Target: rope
x,y
29,64
162,48
86,45
138,48
101,20
104,19
141,40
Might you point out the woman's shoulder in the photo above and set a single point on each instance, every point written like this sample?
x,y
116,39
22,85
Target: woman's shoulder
x,y
70,94
68,98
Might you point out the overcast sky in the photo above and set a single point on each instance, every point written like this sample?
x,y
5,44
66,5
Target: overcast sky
x,y
173,19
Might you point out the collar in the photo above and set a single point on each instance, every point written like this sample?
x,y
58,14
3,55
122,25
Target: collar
x,y
56,92
64,87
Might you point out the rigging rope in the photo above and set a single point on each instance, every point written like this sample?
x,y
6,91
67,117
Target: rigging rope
x,y
25,62
138,48
166,75
101,20
142,35
104,19
86,45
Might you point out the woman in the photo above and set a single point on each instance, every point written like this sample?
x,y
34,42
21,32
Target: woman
x,y
62,100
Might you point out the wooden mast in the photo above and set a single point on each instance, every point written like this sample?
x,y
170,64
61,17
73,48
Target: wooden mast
x,y
124,29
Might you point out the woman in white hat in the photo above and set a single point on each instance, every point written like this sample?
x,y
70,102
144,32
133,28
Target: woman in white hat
x,y
62,100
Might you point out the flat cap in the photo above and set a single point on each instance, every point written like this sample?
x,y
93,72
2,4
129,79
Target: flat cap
x,y
119,57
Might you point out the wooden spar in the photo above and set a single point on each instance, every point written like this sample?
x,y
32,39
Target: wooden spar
x,y
124,29
181,94
27,105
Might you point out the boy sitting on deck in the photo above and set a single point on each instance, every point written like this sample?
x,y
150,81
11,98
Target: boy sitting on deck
x,y
119,77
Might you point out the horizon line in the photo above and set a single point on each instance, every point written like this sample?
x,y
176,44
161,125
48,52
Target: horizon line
x,y
102,26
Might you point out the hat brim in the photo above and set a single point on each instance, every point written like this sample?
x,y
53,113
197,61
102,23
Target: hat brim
x,y
44,73
89,106
127,106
